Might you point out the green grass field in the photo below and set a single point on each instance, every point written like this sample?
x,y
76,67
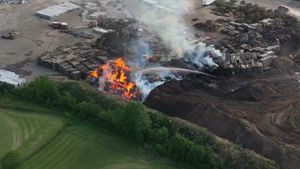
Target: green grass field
x,y
45,142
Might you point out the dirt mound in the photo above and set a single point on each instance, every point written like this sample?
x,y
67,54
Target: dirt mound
x,y
260,113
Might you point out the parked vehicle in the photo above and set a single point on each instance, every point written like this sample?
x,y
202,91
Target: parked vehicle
x,y
59,25
9,35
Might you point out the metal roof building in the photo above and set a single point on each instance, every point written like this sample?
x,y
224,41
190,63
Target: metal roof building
x,y
56,10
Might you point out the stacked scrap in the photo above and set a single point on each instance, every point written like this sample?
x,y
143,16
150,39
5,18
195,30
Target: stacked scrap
x,y
247,50
75,61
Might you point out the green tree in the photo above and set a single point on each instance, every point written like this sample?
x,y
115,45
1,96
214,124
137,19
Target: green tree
x,y
42,91
134,121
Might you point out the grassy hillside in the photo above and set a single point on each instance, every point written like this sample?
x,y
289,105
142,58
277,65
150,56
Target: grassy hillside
x,y
80,147
26,132
45,142
147,129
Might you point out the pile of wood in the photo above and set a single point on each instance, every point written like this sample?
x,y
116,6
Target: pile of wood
x,y
74,61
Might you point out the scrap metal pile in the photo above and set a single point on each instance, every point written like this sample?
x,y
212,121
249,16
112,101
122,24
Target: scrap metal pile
x,y
254,37
79,60
122,34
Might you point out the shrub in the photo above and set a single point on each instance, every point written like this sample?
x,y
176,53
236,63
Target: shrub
x,y
11,160
134,121
41,91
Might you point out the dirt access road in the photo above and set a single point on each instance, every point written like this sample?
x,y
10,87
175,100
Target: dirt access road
x,y
33,38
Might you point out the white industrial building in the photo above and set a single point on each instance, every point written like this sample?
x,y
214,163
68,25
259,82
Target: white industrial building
x,y
11,78
56,10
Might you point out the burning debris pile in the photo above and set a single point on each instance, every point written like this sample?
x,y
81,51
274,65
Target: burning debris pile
x,y
147,45
114,77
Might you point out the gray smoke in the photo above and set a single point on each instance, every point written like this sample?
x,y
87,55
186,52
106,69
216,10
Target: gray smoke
x,y
166,19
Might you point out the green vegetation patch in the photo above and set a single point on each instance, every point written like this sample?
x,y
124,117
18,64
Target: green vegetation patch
x,y
38,139
26,132
80,147
149,130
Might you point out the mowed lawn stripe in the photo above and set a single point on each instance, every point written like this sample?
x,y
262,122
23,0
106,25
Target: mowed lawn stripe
x,y
48,129
15,129
80,147
46,152
67,157
6,136
44,143
26,132
58,154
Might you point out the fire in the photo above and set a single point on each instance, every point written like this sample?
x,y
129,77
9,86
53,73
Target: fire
x,y
114,78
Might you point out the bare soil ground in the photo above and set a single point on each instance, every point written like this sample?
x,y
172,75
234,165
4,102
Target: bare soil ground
x,y
34,37
259,111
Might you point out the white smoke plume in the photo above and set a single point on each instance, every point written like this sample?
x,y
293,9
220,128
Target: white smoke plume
x,y
166,19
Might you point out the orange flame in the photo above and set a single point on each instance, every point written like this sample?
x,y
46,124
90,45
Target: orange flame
x,y
115,75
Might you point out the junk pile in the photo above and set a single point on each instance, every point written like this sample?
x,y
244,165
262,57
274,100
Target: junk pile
x,y
246,48
122,33
79,60
74,61
253,37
